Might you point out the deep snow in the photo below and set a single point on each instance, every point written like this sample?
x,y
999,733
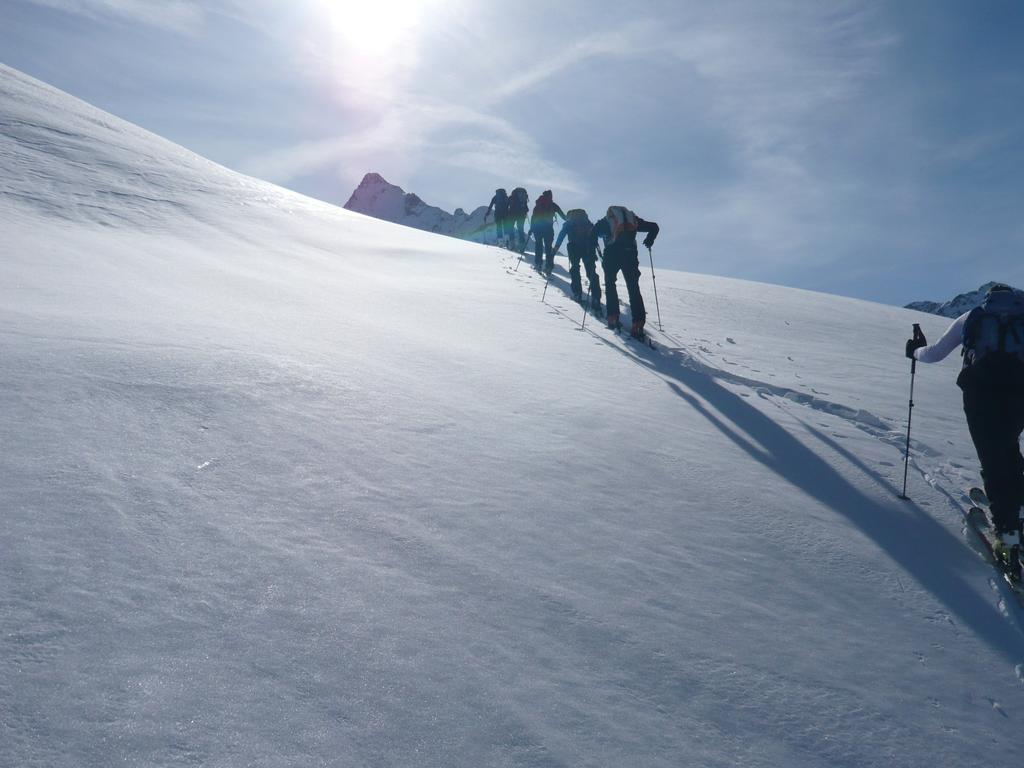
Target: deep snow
x,y
284,485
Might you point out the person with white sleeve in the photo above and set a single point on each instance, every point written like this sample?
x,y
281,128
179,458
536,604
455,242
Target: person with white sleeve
x,y
992,380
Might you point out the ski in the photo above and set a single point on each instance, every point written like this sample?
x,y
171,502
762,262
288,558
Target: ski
x,y
978,522
643,338
978,496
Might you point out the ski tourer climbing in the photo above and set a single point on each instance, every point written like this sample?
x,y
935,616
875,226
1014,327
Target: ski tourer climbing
x,y
542,227
518,208
992,380
582,246
503,228
618,230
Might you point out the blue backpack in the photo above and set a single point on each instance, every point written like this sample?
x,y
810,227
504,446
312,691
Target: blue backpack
x,y
996,328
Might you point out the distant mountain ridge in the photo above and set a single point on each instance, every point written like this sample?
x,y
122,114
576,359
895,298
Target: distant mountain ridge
x,y
955,306
376,197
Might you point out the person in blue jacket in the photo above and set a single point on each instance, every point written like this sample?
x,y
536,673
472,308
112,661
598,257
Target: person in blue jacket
x,y
582,246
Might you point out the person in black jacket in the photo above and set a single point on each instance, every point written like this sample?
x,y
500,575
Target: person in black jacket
x,y
518,208
582,247
618,230
503,228
542,227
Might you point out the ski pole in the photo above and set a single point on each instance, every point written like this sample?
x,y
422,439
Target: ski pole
x,y
655,281
585,308
547,280
910,415
521,252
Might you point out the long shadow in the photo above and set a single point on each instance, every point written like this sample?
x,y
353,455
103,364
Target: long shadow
x,y
851,457
910,536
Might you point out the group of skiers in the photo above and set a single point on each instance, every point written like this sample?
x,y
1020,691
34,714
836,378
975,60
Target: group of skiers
x,y
991,335
617,230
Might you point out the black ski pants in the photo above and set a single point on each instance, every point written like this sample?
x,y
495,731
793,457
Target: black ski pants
x,y
629,263
517,226
995,418
576,255
543,242
502,225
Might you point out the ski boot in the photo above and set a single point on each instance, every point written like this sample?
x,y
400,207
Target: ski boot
x,y
637,331
613,323
1006,549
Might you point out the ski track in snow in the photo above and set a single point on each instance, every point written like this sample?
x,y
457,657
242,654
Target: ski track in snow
x,y
675,351
949,477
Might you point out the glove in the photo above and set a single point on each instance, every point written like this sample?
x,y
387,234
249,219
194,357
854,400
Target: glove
x,y
916,343
648,241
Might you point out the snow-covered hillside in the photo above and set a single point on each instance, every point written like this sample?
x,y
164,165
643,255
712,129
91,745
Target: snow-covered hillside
x,y
962,302
376,197
280,490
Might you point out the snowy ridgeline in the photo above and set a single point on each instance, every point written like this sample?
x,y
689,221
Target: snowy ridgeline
x,y
286,485
376,197
956,306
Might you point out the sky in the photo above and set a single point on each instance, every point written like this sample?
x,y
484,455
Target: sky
x,y
869,149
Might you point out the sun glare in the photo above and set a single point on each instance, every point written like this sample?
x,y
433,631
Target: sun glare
x,y
373,26
372,45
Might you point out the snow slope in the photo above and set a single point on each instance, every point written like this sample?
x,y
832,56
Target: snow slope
x,y
376,197
284,485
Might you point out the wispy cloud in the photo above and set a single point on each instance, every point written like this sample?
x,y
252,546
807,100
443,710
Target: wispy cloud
x,y
784,84
623,41
421,130
176,15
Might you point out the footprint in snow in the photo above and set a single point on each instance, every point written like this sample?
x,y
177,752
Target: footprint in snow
x,y
998,708
730,339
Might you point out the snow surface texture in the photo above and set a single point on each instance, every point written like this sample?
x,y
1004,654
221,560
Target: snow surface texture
x,y
283,485
963,302
376,197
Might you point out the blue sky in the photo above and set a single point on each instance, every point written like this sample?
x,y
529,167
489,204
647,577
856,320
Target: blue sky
x,y
867,149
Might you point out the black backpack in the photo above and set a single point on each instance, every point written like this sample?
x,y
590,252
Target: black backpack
x,y
519,202
996,328
582,226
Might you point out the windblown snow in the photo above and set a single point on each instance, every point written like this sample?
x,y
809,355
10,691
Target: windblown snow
x,y
284,485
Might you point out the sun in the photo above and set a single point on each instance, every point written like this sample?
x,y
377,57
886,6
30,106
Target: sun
x,y
371,47
373,26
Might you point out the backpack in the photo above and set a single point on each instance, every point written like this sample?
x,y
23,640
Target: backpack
x,y
996,328
582,227
545,204
622,220
501,198
519,201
